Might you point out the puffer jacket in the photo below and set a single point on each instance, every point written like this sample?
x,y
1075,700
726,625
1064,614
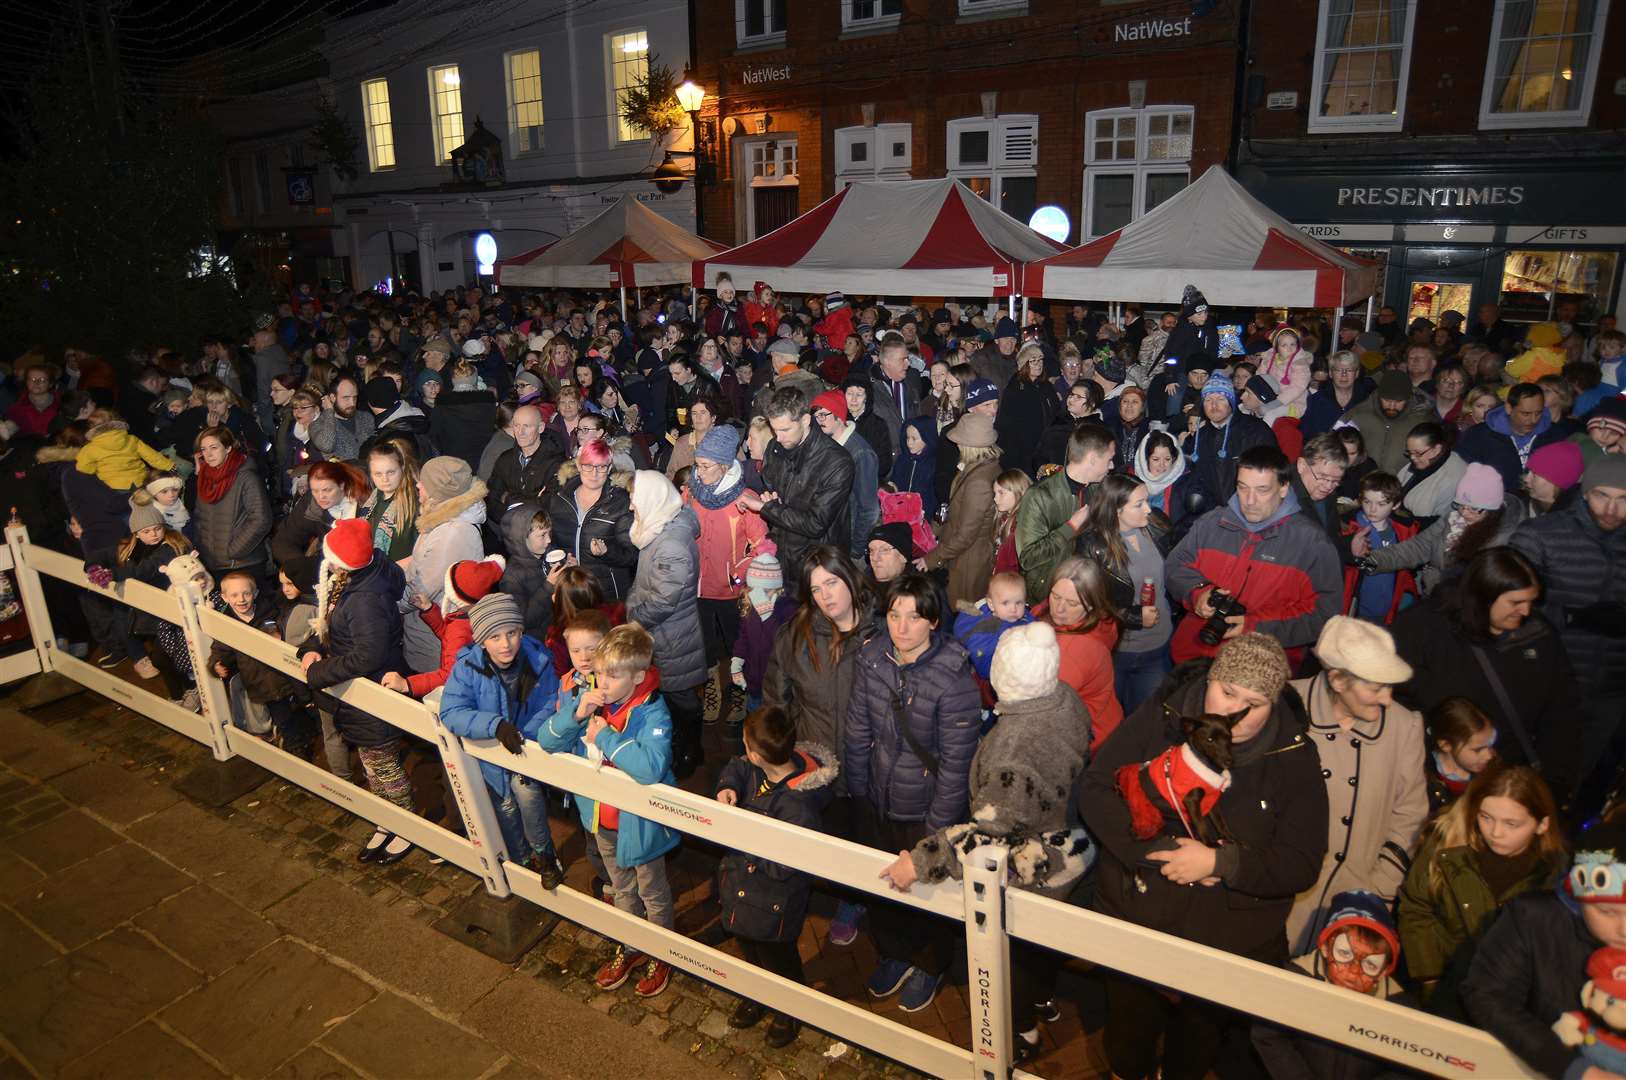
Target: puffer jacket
x,y
1437,925
814,482
525,576
233,533
663,601
642,749
1276,807
118,457
608,520
474,700
763,900
937,697
1584,571
364,641
817,698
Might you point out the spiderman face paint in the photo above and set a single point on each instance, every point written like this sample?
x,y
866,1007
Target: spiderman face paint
x,y
1353,964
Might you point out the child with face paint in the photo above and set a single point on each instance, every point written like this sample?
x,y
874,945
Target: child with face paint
x,y
1357,950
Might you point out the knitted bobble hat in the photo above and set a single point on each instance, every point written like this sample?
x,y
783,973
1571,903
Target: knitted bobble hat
x,y
1254,661
1026,662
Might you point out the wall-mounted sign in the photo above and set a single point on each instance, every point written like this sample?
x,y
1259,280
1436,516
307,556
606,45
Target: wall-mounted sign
x,y
1282,99
1443,197
1152,29
1520,235
1339,234
772,73
301,184
1451,234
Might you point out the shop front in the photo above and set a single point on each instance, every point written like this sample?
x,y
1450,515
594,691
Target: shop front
x,y
1542,242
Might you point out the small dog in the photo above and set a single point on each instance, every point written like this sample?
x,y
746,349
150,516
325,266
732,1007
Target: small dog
x,y
1175,793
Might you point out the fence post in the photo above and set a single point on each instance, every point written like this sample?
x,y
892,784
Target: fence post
x,y
479,816
32,596
988,960
212,693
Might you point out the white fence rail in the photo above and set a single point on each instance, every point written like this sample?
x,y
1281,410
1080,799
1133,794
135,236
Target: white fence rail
x,y
992,914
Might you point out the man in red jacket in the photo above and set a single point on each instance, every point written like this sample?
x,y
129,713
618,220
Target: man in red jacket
x,y
1259,550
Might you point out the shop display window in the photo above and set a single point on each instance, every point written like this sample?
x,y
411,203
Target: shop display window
x,y
1535,282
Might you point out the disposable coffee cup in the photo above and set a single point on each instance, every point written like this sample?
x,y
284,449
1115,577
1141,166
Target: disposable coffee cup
x,y
555,559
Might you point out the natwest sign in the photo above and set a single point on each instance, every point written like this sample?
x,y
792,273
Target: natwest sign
x,y
1152,29
771,73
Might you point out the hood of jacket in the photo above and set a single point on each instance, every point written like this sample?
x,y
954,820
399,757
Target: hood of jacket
x,y
655,504
406,417
1497,421
106,427
50,455
469,506
819,767
1154,488
1290,506
516,526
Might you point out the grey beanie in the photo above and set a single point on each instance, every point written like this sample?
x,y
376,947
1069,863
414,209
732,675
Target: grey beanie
x,y
1607,471
494,613
144,516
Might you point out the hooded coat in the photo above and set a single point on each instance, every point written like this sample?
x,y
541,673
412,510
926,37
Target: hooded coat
x,y
1025,411
525,576
1276,807
937,697
763,900
664,589
475,700
966,544
462,422
918,472
1584,570
118,458
364,641
406,421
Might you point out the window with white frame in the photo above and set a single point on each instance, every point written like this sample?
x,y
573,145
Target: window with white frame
x,y
992,7
1134,160
525,101
1543,63
629,66
998,158
881,152
870,14
446,110
759,22
772,162
1361,65
375,109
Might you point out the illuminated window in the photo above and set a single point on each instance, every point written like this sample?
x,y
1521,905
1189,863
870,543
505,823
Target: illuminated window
x,y
375,105
629,66
1361,65
446,110
525,101
1543,63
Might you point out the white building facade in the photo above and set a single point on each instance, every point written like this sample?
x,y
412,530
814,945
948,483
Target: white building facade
x,y
543,79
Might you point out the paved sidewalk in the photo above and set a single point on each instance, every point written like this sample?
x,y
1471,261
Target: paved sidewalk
x,y
148,936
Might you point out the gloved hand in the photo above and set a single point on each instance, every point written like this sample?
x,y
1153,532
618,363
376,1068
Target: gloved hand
x,y
100,576
507,734
738,679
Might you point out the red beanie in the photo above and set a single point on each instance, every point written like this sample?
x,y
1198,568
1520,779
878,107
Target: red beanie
x,y
833,400
470,580
349,544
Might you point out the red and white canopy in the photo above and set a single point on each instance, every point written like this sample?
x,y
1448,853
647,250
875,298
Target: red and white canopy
x,y
1213,235
627,245
903,237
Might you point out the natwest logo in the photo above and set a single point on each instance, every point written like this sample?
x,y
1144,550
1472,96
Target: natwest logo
x,y
1152,29
773,73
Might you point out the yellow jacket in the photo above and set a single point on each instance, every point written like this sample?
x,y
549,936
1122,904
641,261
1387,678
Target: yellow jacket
x,y
117,458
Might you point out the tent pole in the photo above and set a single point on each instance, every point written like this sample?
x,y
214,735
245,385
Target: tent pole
x,y
1023,324
1370,302
694,299
1010,306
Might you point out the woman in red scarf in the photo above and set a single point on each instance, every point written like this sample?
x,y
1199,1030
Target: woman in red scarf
x,y
233,513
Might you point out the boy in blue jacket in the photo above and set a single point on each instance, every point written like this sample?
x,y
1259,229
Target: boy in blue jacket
x,y
614,716
502,686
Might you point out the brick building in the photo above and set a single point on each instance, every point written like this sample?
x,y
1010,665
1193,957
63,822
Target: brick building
x,y
1096,107
1474,146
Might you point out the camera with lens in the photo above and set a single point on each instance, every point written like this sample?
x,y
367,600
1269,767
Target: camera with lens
x,y
1225,606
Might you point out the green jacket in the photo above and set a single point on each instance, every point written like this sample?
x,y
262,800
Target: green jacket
x,y
1434,927
1043,537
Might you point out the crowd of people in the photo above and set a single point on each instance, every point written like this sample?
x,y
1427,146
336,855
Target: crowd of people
x,y
1297,639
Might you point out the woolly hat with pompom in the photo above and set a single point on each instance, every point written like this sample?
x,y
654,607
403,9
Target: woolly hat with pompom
x,y
1026,662
469,580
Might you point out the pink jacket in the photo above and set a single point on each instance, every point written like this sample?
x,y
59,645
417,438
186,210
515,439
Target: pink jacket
x,y
729,538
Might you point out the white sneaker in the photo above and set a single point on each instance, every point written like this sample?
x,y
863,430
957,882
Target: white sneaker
x,y
145,669
191,702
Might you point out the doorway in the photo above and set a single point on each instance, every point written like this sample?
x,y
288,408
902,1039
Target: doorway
x,y
1430,296
774,206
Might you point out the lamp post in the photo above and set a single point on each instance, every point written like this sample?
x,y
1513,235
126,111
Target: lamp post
x,y
690,97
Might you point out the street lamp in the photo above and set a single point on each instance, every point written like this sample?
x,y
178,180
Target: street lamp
x,y
690,97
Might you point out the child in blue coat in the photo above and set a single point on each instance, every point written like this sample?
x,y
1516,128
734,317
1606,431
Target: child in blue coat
x,y
614,716
501,685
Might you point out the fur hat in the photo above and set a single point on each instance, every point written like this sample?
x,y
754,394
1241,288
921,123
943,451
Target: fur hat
x,y
1481,487
1365,650
445,477
834,401
493,614
1254,661
972,429
1558,463
468,580
144,515
1026,662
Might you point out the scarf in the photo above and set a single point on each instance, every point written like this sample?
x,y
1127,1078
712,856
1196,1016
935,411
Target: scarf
x,y
213,482
176,516
655,502
1157,487
725,492
1454,525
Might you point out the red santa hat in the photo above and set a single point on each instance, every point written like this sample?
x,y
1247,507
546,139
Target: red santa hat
x,y
470,580
348,545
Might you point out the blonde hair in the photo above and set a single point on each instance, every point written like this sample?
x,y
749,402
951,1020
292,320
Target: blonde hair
x,y
1458,826
625,649
974,455
1017,483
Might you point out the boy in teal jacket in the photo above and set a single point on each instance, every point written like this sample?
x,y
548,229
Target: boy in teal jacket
x,y
614,715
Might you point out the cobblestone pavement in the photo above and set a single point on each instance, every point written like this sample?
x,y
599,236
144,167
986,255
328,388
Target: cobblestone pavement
x,y
86,799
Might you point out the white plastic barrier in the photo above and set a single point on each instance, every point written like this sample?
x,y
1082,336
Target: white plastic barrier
x,y
992,913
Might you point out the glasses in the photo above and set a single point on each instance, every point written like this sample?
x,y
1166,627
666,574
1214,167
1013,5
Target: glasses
x,y
595,469
1330,481
1418,455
